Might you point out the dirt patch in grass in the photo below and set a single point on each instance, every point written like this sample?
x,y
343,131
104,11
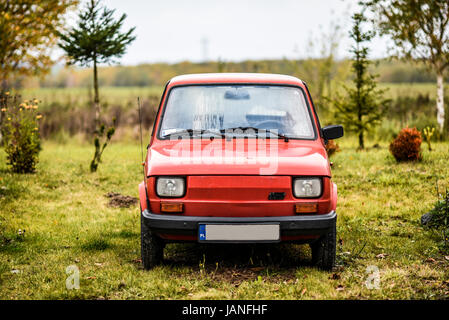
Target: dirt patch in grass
x,y
117,200
237,275
235,264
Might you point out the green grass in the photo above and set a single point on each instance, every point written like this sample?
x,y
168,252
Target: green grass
x,y
396,90
64,213
121,95
76,97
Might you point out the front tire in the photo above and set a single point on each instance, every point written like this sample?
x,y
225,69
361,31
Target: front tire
x,y
324,250
151,247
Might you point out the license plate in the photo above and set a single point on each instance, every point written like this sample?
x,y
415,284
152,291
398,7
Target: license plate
x,y
239,232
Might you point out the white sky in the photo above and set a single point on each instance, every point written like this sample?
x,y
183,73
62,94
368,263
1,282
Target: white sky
x,y
173,30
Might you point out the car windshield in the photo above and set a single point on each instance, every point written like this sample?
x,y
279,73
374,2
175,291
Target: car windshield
x,y
221,108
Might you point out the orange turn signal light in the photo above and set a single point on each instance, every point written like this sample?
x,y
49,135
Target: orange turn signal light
x,y
306,207
171,207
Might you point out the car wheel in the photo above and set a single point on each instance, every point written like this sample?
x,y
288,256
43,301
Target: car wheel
x,y
324,250
151,247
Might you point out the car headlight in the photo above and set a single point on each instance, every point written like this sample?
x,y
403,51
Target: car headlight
x,y
170,187
307,187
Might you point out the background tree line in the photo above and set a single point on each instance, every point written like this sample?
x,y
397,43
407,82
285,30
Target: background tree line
x,y
157,74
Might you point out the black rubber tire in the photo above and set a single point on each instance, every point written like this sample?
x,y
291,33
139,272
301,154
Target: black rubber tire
x,y
151,247
324,250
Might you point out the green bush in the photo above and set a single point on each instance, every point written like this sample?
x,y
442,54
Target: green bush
x,y
439,219
20,132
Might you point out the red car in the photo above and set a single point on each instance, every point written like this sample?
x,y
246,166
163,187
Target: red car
x,y
238,158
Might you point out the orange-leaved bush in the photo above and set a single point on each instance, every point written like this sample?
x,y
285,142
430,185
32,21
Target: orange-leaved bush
x,y
407,145
332,147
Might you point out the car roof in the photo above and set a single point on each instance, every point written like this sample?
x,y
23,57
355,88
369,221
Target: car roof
x,y
202,78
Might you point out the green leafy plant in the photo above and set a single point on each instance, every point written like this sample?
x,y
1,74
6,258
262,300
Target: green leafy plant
x,y
20,131
102,138
202,266
439,219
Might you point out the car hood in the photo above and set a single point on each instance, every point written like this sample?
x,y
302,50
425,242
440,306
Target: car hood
x,y
221,157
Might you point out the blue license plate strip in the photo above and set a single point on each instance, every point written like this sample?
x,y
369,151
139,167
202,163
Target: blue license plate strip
x,y
202,232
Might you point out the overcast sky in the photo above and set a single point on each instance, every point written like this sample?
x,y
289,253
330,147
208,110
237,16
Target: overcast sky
x,y
233,30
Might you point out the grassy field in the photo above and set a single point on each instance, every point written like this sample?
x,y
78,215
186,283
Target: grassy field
x,y
76,97
63,212
396,90
122,94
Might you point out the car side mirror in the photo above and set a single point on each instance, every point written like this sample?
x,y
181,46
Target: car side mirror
x,y
332,132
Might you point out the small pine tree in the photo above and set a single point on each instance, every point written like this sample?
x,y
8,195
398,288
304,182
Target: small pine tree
x,y
364,105
96,39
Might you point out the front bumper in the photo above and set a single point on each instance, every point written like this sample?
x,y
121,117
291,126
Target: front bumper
x,y
290,226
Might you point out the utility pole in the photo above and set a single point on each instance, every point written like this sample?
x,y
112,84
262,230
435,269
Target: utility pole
x,y
205,46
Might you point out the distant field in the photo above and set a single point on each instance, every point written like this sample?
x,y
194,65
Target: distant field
x,y
120,102
412,89
123,95
81,96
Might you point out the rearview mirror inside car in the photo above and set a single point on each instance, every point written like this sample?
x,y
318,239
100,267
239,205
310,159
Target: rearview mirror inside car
x,y
237,94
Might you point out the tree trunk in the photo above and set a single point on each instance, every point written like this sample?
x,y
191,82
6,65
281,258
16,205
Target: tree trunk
x,y
440,101
96,97
359,117
361,141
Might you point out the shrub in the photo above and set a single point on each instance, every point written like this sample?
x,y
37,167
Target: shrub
x,y
439,218
332,147
20,131
407,145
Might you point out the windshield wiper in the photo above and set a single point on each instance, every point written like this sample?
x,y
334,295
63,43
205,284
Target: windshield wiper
x,y
192,132
177,131
222,132
209,131
279,135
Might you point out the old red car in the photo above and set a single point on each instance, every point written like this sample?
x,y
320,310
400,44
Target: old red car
x,y
238,158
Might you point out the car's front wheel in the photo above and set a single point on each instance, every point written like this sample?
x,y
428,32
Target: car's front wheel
x,y
151,247
324,250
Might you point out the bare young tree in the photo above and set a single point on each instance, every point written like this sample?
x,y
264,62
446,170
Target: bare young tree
x,y
420,32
